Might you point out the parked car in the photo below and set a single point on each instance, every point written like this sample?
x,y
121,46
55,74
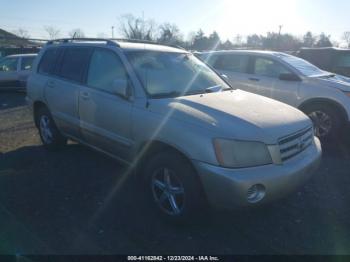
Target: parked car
x,y
194,139
330,59
323,96
14,71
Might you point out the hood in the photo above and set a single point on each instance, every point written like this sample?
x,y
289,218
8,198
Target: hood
x,y
336,81
235,114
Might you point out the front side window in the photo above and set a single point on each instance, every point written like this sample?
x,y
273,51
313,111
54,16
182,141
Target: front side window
x,y
233,63
27,62
75,62
269,68
105,68
167,74
9,64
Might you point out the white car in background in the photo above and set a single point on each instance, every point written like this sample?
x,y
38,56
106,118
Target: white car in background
x,y
14,71
323,96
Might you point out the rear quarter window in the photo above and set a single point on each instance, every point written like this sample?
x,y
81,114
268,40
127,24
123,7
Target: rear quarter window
x,y
48,60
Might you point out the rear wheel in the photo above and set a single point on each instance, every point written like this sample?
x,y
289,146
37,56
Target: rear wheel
x,y
173,187
327,121
49,133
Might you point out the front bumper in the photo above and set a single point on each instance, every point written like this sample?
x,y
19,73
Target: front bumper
x,y
228,188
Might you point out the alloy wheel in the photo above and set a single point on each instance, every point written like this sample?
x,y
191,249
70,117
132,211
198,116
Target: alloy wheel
x,y
45,129
322,123
168,191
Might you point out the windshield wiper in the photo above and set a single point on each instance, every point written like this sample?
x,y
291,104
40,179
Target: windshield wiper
x,y
213,89
167,94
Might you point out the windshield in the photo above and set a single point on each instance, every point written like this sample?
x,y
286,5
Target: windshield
x,y
166,74
303,66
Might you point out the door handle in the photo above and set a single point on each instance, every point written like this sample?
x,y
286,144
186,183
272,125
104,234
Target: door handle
x,y
254,79
85,95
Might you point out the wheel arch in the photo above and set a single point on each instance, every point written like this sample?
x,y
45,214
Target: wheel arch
x,y
328,102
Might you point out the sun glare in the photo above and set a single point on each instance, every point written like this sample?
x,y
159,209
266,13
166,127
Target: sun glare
x,y
251,16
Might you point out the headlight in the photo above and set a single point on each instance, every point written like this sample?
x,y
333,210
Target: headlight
x,y
234,153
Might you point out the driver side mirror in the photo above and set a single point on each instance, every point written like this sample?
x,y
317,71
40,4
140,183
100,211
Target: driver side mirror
x,y
121,88
289,77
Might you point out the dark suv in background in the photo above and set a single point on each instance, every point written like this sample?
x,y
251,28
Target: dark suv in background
x,y
330,59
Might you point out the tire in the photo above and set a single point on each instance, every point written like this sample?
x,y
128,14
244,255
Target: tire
x,y
173,187
327,121
50,136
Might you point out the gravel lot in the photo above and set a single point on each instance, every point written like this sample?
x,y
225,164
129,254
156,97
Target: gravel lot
x,y
77,201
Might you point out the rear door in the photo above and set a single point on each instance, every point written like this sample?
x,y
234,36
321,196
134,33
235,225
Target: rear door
x,y
9,72
264,76
106,117
62,88
235,67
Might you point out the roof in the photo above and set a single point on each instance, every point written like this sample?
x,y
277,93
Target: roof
x,y
120,43
149,47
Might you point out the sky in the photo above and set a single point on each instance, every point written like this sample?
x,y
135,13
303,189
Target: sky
x,y
227,17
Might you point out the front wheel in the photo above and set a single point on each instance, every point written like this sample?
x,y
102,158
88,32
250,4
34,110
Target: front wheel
x,y
326,120
173,187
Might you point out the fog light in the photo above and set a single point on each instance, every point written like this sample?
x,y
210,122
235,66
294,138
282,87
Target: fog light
x,y
255,193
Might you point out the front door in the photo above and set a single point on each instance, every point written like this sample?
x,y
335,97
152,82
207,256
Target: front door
x,y
264,76
105,116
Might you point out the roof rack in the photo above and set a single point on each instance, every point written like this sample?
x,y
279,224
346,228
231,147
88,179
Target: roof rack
x,y
70,40
144,42
110,41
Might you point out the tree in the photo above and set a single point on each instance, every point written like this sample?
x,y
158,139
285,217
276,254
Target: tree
x,y
254,41
238,40
227,45
22,33
213,41
169,34
309,40
76,33
52,31
200,41
346,38
132,27
324,41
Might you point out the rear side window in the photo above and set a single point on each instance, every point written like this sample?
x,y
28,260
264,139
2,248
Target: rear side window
x,y
105,68
74,63
234,63
27,62
48,61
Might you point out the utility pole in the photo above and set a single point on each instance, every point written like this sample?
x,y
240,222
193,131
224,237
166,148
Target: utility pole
x,y
280,29
112,31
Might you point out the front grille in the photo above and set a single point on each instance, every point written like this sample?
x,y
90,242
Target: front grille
x,y
294,144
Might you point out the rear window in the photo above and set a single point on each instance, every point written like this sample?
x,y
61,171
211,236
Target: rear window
x,y
48,60
75,62
234,63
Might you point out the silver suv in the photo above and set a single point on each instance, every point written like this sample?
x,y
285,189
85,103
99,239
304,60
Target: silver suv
x,y
323,96
195,139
